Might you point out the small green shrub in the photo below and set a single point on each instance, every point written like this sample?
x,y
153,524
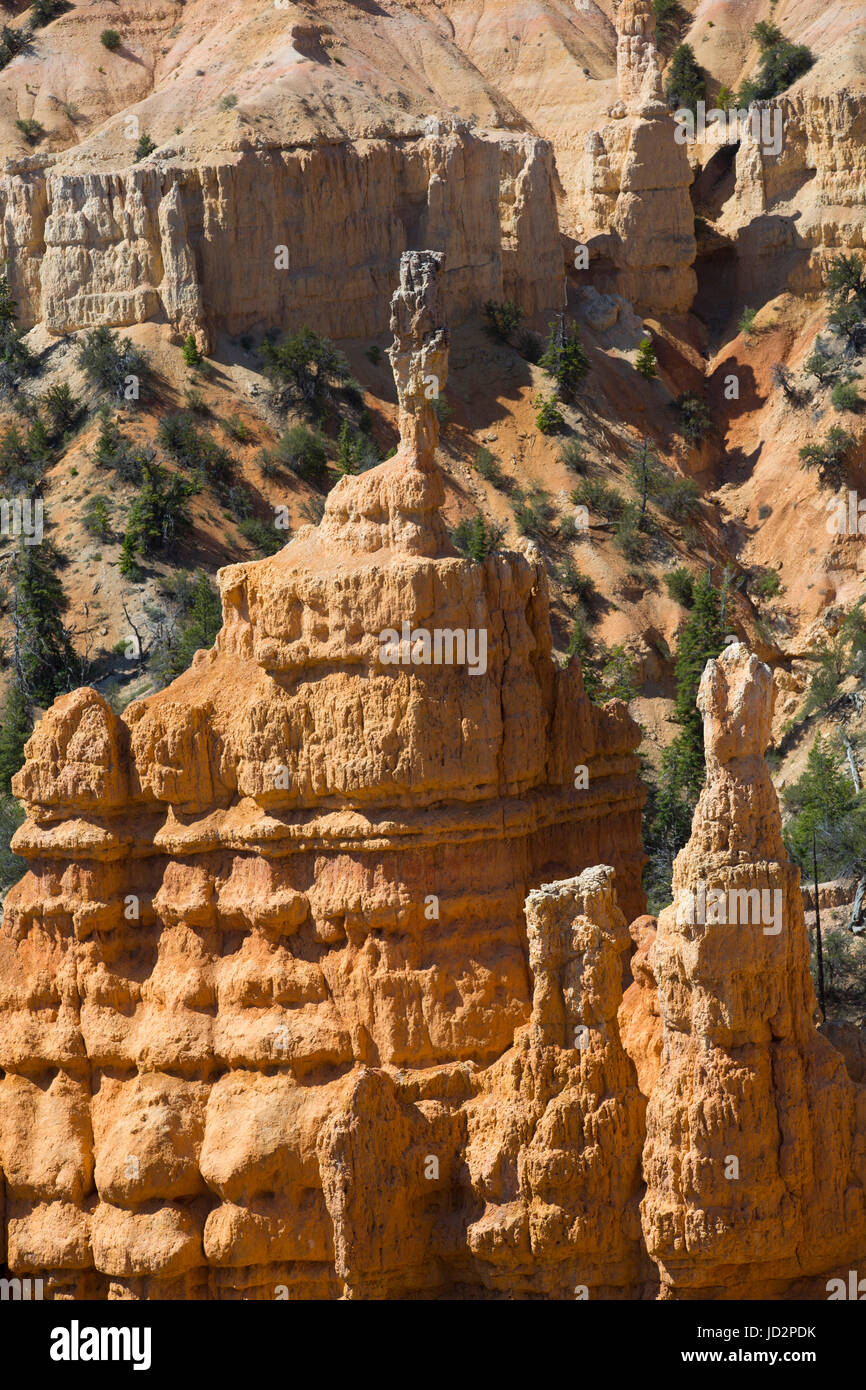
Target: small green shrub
x,y
549,419
110,39
503,318
263,537
442,409
307,364
830,457
113,364
678,497
97,518
530,346
628,535
488,467
31,130
236,429
821,365
113,449
694,421
767,584
304,452
599,497
192,448
619,675
62,409
681,586
533,513
845,396
145,147
766,34
12,42
476,539
671,18
573,454
42,12
580,585
356,451
570,529
782,63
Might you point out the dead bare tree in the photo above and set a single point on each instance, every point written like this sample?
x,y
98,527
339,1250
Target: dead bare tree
x,y
140,644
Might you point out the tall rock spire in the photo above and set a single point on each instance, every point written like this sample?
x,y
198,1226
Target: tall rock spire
x,y
396,507
756,1176
637,59
419,353
639,217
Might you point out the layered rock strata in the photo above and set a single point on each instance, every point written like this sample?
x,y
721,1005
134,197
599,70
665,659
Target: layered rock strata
x,y
755,1159
797,201
262,237
634,197
272,940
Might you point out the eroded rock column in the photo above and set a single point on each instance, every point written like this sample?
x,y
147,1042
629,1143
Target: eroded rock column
x,y
755,1157
555,1137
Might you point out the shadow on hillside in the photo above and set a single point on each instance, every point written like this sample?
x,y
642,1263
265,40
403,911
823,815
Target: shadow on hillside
x,y
749,398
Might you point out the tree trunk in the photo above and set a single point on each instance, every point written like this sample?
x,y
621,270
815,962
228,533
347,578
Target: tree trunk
x,y
852,763
855,921
819,945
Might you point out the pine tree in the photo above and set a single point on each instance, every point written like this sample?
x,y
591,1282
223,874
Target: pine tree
x,y
8,305
16,359
684,84
646,359
619,675
203,622
191,354
644,470
45,662
159,513
672,802
702,638
580,645
15,729
62,409
127,564
565,358
347,450
821,798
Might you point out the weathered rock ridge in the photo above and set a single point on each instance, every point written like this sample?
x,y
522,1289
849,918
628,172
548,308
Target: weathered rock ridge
x,y
790,212
199,245
266,1016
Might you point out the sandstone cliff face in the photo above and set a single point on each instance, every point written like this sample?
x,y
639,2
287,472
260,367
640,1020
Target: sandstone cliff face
x,y
635,190
272,937
790,212
198,243
755,1159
